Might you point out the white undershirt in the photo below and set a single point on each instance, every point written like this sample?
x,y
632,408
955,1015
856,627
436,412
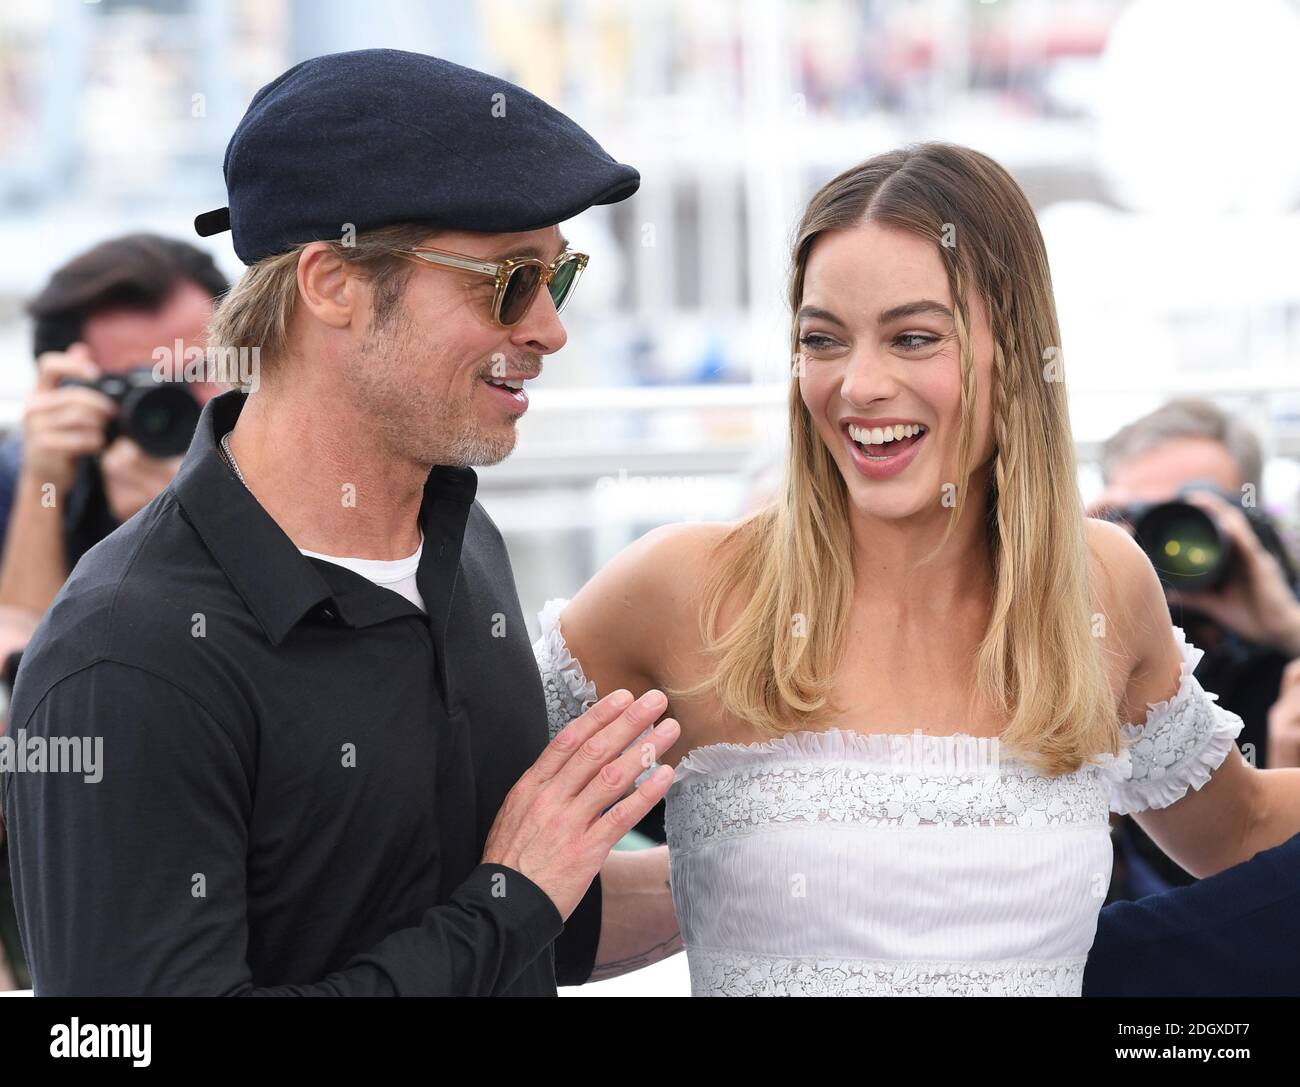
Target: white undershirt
x,y
395,574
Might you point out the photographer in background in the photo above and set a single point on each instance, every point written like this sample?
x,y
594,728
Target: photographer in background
x,y
74,474
71,478
1248,624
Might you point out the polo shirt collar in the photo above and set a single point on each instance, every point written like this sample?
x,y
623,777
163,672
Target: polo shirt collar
x,y
278,583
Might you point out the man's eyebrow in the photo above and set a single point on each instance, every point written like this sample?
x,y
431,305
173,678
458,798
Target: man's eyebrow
x,y
529,251
915,309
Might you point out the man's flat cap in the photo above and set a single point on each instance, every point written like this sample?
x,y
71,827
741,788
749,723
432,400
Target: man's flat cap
x,y
381,136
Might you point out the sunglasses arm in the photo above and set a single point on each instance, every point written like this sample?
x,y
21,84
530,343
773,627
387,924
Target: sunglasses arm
x,y
452,260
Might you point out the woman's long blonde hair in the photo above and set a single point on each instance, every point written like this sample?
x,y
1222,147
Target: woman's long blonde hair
x,y
790,565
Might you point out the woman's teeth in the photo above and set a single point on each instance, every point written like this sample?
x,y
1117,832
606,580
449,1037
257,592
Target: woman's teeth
x,y
867,438
881,435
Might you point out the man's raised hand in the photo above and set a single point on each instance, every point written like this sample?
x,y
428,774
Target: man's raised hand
x,y
554,827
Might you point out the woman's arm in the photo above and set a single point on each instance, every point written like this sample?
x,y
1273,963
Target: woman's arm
x,y
1239,810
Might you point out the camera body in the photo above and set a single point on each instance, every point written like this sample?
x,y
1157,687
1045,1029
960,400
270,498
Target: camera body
x,y
159,416
1187,546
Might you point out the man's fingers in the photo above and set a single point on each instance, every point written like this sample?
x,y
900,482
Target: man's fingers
x,y
608,743
70,402
53,367
578,731
616,777
626,814
75,440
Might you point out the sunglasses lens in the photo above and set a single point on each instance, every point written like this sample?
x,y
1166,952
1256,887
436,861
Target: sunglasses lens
x,y
521,287
563,282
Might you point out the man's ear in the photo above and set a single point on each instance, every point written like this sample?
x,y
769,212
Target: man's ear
x,y
328,287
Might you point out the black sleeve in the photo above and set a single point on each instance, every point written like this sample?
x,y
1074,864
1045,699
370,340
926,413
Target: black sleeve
x,y
105,872
575,950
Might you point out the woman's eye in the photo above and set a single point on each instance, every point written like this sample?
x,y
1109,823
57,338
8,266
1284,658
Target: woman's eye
x,y
815,341
914,341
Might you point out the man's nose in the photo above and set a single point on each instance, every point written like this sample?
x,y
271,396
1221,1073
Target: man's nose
x,y
541,331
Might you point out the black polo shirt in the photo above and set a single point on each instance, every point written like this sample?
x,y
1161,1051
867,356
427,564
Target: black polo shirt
x,y
299,767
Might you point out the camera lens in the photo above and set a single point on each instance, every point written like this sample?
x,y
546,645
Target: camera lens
x,y
160,419
1185,545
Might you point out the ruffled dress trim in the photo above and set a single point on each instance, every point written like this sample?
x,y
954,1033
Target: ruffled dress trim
x,y
913,752
569,693
1184,740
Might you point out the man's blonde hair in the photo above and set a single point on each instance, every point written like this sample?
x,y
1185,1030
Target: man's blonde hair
x,y
257,310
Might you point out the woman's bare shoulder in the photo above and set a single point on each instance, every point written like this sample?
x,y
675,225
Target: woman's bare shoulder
x,y
681,551
643,602
659,573
1122,564
1132,600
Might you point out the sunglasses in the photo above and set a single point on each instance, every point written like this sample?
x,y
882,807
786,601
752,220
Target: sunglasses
x,y
518,279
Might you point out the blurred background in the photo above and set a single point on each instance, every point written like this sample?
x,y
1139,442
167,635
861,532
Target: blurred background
x,y
1155,139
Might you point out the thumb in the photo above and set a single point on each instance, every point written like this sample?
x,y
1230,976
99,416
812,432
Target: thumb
x,y
80,359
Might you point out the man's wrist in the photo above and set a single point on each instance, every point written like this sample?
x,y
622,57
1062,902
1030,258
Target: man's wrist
x,y
34,480
519,897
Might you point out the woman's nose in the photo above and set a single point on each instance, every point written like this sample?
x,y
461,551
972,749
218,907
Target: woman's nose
x,y
867,377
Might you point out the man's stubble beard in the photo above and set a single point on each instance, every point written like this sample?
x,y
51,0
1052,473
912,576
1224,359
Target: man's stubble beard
x,y
409,415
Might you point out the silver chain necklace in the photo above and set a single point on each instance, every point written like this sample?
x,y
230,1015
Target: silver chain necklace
x,y
225,446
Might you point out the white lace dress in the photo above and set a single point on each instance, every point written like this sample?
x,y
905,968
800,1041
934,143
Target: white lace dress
x,y
837,863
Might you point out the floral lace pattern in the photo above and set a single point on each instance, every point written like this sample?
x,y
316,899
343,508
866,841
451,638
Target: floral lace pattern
x,y
569,693
716,972
1185,739
837,775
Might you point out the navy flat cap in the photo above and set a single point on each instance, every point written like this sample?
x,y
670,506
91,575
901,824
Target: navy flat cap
x,y
381,136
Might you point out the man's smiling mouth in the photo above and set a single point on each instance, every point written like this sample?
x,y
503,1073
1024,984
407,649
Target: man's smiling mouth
x,y
509,388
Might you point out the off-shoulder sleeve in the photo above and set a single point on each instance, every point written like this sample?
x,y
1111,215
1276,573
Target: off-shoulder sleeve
x,y
1184,740
569,693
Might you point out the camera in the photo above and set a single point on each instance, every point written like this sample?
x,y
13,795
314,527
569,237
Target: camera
x,y
1187,546
159,416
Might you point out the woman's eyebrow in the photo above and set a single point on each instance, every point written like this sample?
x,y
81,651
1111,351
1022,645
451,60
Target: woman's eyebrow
x,y
816,313
915,309
894,313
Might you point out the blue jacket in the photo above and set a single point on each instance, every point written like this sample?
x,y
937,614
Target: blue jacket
x,y
1236,933
11,459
